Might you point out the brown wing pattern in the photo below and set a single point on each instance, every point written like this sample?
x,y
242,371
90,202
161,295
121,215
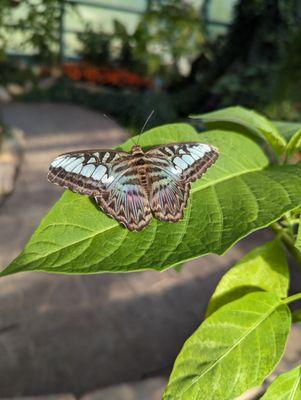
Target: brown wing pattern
x,y
108,176
87,171
128,204
125,193
174,166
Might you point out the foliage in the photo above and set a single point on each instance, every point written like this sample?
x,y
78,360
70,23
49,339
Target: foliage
x,y
248,121
252,64
4,15
39,23
265,268
248,319
167,33
173,29
289,84
13,72
44,21
230,352
286,386
255,48
95,47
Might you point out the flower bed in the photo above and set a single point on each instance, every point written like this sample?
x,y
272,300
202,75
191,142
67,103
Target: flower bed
x,y
106,76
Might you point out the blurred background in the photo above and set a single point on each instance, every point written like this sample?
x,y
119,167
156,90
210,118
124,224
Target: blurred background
x,y
63,65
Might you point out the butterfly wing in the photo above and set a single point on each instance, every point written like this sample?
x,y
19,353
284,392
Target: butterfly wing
x,y
174,167
126,202
87,171
110,178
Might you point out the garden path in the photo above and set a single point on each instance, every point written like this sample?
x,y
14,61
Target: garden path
x,y
79,333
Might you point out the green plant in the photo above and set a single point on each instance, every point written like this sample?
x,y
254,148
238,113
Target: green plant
x,y
169,31
95,47
4,15
253,64
39,22
250,187
167,34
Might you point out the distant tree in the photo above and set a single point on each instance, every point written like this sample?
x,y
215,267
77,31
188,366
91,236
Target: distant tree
x,y
40,24
243,64
170,32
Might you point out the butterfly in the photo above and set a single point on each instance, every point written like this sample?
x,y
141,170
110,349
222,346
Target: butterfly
x,y
134,187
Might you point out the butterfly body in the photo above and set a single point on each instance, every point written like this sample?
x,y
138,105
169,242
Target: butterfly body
x,y
133,187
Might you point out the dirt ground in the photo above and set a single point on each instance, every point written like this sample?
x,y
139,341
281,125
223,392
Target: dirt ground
x,y
79,333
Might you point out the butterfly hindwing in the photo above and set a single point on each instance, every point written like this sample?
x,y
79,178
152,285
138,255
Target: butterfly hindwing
x,y
127,202
168,198
174,167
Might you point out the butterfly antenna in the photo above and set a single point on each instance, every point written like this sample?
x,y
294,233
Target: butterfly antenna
x,y
145,123
119,126
112,120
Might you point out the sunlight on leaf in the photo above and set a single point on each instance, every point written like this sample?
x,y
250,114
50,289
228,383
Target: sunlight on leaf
x,y
286,387
234,350
264,268
248,119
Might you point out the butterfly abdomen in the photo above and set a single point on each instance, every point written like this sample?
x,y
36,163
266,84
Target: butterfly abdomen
x,y
142,174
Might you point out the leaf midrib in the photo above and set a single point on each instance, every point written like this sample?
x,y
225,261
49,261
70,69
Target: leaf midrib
x,y
231,348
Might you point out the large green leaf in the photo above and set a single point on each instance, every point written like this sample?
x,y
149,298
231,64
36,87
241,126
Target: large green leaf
x,y
247,119
286,387
232,351
264,268
238,195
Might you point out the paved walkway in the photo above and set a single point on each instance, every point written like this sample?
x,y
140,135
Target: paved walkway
x,y
50,130
78,333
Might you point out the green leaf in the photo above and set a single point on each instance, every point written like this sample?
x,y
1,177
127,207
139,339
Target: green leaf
x,y
287,129
298,239
238,195
286,387
264,268
295,142
233,117
232,351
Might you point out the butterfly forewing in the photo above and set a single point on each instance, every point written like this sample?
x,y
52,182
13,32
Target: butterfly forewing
x,y
174,167
87,172
187,161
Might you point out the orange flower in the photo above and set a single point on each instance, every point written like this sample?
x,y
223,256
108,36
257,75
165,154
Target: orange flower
x,y
106,76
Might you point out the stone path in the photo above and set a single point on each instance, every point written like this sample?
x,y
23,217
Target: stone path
x,y
50,130
76,334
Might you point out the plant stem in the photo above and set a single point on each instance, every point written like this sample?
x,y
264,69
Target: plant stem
x,y
292,298
288,242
